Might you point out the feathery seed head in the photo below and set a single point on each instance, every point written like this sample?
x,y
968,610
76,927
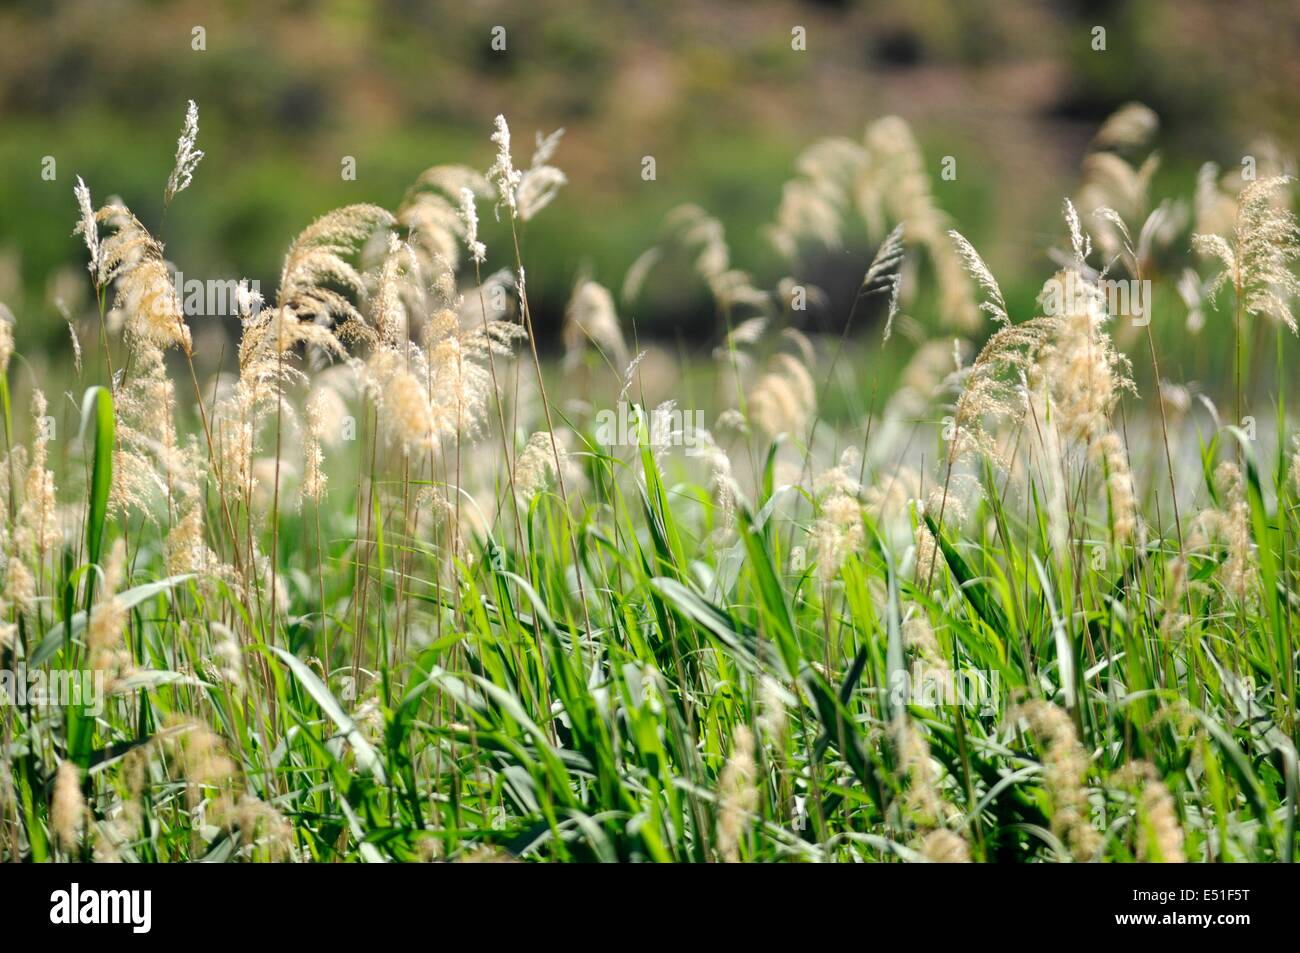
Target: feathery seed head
x,y
469,215
1065,771
995,306
535,465
1119,487
187,157
6,340
88,226
314,477
1159,834
108,617
773,716
503,174
537,188
737,794
67,808
922,801
942,846
1130,126
1266,243
590,317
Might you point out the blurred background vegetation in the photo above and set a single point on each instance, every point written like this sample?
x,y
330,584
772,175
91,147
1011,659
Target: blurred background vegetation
x,y
1013,90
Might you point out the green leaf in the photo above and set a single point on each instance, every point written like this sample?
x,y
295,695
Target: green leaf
x,y
97,410
59,634
973,586
366,756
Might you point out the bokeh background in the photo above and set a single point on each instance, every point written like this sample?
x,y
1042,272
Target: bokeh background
x,y
1013,90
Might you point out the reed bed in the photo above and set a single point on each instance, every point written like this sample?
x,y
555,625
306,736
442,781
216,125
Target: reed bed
x,y
392,587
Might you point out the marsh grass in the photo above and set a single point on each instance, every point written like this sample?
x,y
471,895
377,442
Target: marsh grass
x,y
383,595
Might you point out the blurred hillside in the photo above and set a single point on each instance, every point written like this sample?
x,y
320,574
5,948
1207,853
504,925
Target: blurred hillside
x,y
713,90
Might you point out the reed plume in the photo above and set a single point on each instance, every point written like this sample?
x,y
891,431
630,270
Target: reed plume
x,y
1257,263
1065,772
438,213
187,156
68,808
737,795
1159,834
590,318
